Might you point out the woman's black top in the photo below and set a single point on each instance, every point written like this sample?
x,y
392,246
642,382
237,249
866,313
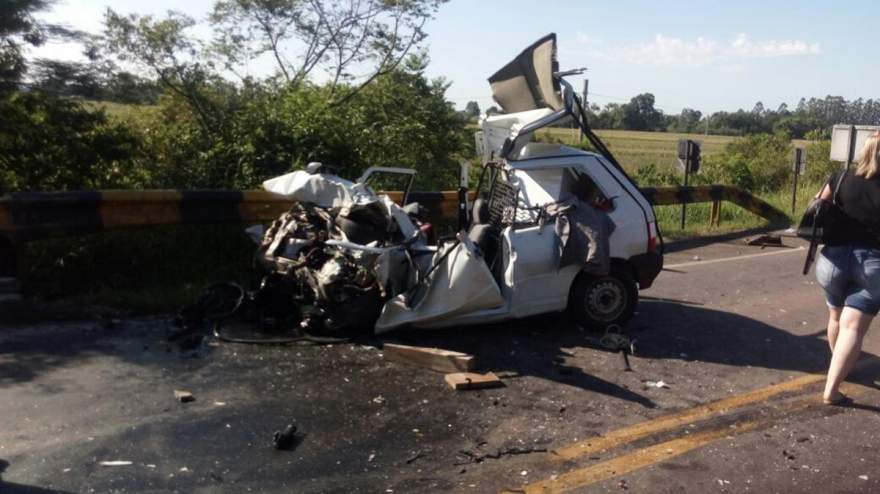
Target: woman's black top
x,y
860,200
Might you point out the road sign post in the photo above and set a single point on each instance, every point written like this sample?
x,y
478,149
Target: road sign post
x,y
798,168
689,159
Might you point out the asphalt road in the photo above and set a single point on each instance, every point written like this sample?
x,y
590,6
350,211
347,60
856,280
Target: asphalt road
x,y
736,332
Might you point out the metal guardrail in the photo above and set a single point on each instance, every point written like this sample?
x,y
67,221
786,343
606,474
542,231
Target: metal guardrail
x,y
28,216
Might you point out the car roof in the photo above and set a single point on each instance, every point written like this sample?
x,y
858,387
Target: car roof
x,y
537,160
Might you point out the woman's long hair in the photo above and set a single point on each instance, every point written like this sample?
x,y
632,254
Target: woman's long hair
x,y
869,157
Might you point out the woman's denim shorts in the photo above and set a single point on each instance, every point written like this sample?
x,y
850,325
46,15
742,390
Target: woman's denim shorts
x,y
850,276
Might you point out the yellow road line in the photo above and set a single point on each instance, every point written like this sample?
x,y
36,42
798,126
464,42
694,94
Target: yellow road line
x,y
658,453
633,461
735,258
629,434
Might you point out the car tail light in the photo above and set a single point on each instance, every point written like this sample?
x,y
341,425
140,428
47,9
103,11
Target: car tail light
x,y
652,236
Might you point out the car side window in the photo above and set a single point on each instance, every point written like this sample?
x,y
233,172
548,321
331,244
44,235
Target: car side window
x,y
582,186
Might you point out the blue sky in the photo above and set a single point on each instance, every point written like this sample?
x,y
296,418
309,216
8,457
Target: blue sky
x,y
708,56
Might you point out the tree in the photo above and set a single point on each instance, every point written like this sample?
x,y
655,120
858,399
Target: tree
x,y
166,49
687,121
340,37
640,114
472,110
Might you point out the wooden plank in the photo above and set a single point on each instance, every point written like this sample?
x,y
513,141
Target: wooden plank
x,y
470,380
435,359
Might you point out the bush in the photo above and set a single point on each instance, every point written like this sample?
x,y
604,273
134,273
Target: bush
x,y
52,143
757,163
652,176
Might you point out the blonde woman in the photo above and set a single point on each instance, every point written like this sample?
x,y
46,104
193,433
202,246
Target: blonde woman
x,y
849,266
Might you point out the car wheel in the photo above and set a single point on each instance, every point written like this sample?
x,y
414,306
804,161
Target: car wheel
x,y
597,302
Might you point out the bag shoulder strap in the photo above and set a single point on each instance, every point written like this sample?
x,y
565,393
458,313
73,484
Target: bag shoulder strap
x,y
836,191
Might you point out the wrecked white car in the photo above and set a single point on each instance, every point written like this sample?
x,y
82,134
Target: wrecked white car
x,y
548,228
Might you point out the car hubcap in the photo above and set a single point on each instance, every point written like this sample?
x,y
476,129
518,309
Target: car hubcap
x,y
606,301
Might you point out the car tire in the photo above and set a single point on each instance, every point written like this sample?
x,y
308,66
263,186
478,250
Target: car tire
x,y
598,302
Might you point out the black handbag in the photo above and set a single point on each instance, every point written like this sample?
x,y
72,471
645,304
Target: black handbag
x,y
820,222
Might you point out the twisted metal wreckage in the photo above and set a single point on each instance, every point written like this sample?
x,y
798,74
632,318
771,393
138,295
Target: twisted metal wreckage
x,y
345,257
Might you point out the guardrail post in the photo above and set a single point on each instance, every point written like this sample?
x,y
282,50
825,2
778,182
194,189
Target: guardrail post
x,y
715,215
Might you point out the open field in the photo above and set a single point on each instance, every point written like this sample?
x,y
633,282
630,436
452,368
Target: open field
x,y
636,148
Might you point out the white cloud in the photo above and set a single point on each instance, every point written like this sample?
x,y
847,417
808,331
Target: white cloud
x,y
664,50
667,50
742,46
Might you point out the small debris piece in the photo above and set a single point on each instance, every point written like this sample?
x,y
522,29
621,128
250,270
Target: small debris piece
x,y
787,455
524,473
473,457
184,396
622,484
414,457
764,240
115,463
285,440
656,384
435,359
379,400
470,380
863,477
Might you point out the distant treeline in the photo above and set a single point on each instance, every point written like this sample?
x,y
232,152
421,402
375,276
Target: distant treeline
x,y
814,116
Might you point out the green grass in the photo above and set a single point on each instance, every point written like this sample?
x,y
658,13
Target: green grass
x,y
733,217
121,111
635,149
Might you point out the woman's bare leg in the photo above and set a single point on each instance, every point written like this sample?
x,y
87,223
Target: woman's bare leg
x,y
847,347
833,325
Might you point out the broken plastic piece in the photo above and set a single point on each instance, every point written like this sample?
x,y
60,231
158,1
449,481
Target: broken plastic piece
x,y
286,439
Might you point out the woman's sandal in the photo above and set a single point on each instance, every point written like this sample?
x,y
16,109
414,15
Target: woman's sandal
x,y
839,399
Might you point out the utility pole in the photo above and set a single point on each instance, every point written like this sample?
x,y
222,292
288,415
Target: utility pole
x,y
586,106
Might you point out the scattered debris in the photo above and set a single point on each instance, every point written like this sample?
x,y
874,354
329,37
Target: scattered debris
x,y
622,484
414,457
655,384
183,396
470,380
473,457
434,359
286,439
765,240
115,463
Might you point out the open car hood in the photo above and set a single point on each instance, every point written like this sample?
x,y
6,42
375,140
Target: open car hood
x,y
527,82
